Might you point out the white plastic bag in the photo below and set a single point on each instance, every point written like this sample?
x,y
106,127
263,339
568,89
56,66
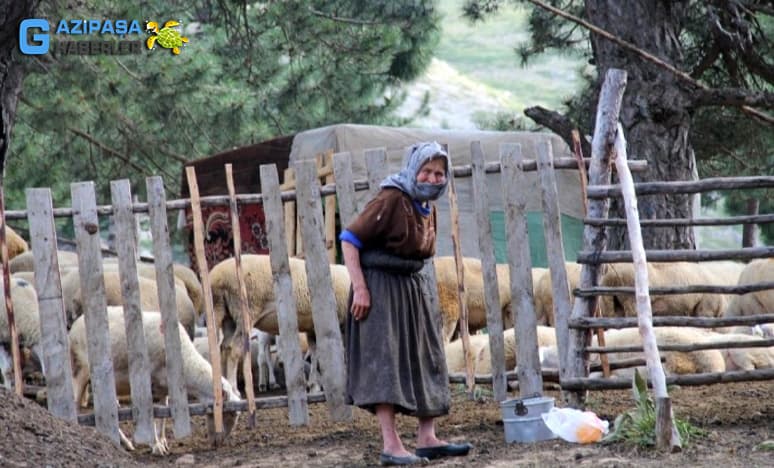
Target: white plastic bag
x,y
574,425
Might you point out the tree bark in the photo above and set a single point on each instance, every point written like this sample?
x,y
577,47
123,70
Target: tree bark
x,y
11,70
655,112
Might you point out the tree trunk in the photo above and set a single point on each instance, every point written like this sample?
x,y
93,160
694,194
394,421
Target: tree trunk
x,y
11,70
655,113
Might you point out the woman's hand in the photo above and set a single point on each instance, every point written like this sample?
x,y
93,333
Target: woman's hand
x,y
361,302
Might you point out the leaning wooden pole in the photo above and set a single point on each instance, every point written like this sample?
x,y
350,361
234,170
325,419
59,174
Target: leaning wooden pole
x,y
17,373
667,436
204,273
461,294
247,368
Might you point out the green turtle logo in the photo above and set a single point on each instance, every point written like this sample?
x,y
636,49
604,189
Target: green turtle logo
x,y
167,37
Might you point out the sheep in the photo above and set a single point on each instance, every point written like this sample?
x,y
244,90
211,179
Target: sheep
x,y
455,361
183,276
261,305
694,362
25,261
27,321
446,279
196,370
744,358
15,243
758,302
665,275
544,295
149,297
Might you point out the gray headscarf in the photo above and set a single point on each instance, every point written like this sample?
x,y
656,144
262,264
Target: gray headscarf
x,y
406,180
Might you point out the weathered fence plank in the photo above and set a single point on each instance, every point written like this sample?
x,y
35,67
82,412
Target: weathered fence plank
x,y
54,341
673,187
685,255
345,187
686,348
699,322
137,351
552,228
494,318
727,221
324,315
247,363
289,347
103,384
520,267
695,288
162,253
578,384
376,165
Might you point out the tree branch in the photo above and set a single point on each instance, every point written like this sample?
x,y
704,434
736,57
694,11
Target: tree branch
x,y
557,123
105,148
341,20
643,54
732,97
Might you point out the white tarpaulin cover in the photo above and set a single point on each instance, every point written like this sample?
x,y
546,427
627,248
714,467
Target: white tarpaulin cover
x,y
357,138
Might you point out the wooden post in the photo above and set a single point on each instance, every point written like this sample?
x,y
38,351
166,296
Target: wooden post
x,y
139,364
103,383
595,237
494,318
289,347
54,342
289,183
520,267
667,436
162,254
204,273
326,323
330,208
247,368
345,188
577,151
376,165
18,382
552,229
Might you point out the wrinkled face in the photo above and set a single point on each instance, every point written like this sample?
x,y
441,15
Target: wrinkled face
x,y
432,172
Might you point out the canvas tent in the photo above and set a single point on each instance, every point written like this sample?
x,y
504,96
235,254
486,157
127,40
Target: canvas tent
x,y
357,138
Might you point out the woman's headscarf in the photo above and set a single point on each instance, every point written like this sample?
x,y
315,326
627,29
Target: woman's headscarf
x,y
406,180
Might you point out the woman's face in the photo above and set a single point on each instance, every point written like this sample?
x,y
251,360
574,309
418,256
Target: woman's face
x,y
432,172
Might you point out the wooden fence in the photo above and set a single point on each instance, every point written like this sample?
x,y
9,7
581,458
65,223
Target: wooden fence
x,y
85,213
579,317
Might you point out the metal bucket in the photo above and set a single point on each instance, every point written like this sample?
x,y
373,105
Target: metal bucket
x,y
522,419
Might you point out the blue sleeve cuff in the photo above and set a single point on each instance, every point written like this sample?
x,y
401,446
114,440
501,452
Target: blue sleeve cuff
x,y
348,236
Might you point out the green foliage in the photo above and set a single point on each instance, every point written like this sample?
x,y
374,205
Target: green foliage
x,y
638,426
499,121
250,72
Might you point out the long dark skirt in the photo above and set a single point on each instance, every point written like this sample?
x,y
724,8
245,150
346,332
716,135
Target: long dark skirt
x,y
396,354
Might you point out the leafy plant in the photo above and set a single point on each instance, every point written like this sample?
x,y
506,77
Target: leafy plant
x,y
638,426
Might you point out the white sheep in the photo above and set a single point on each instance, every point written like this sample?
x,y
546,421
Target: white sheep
x,y
482,359
758,302
744,358
196,370
261,304
448,293
149,297
694,362
544,295
25,261
27,321
184,276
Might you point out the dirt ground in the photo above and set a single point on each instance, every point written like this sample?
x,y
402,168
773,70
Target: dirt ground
x,y
737,419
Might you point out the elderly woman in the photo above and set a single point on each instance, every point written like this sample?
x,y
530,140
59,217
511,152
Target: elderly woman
x,y
395,358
